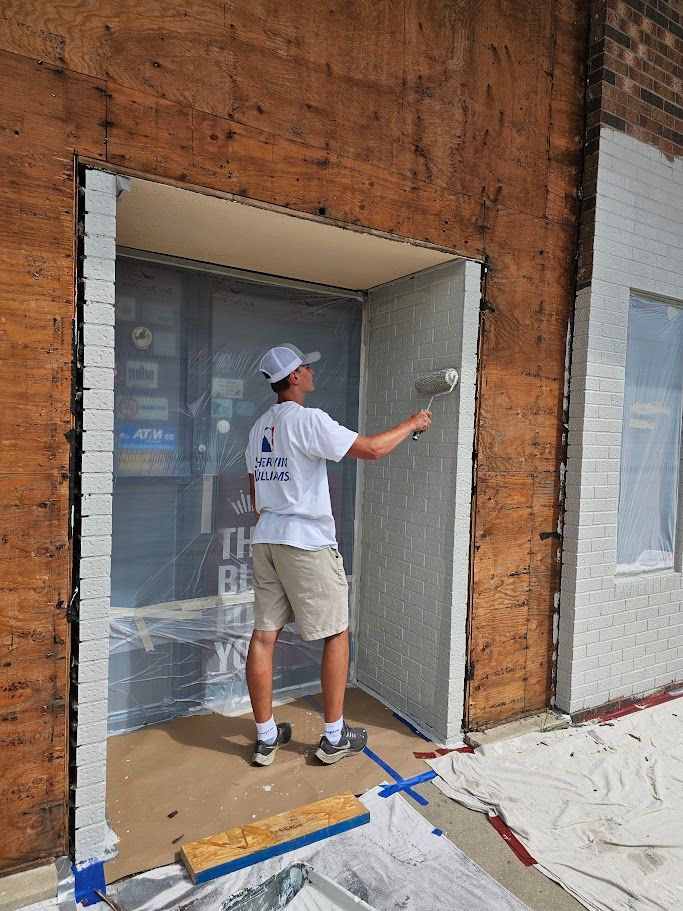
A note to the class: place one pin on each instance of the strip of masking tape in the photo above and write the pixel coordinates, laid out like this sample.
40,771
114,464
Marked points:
144,634
174,610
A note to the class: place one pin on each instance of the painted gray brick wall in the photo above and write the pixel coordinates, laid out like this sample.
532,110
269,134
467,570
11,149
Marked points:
620,635
96,511
415,504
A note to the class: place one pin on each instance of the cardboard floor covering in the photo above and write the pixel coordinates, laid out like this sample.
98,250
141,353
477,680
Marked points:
190,778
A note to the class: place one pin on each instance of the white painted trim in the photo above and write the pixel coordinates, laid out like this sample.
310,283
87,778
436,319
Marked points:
94,572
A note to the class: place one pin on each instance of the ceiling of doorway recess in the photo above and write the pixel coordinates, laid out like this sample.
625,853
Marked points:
163,219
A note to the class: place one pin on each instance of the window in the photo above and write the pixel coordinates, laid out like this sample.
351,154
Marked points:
186,393
651,436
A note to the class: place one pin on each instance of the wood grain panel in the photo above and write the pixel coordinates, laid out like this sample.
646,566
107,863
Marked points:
521,429
176,51
475,79
258,165
336,84
455,123
20,644
25,682
499,612
355,193
34,783
45,115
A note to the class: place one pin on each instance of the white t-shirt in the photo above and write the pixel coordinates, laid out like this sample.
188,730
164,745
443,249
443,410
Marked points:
287,452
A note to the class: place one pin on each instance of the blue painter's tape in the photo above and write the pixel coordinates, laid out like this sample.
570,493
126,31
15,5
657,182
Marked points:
276,850
382,764
405,784
88,876
418,798
437,832
410,726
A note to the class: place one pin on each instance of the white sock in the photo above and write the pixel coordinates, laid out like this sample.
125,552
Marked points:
333,731
267,732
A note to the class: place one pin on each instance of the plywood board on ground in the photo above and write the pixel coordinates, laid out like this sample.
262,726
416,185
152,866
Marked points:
249,844
173,783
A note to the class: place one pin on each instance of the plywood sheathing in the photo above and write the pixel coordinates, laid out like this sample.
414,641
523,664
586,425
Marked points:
43,114
457,124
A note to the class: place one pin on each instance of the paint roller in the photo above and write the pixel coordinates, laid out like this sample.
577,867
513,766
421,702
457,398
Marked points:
436,383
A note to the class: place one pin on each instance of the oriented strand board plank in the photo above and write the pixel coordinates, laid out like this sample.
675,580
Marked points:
250,844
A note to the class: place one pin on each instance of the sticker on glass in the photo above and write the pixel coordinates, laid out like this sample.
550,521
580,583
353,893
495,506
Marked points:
142,374
142,336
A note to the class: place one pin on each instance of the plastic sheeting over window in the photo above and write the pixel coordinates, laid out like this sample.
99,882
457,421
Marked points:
651,437
187,391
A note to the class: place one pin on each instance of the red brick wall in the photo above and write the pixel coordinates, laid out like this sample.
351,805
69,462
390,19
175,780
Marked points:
635,84
636,71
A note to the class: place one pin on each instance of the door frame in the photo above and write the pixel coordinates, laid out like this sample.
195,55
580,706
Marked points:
93,391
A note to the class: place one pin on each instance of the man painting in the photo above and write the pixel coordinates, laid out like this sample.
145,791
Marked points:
298,570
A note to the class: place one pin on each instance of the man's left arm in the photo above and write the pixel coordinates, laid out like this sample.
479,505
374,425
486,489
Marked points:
252,494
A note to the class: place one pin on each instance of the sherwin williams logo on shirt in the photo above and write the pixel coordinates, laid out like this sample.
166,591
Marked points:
270,468
268,441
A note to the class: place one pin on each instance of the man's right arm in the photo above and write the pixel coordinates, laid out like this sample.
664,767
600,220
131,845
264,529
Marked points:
381,444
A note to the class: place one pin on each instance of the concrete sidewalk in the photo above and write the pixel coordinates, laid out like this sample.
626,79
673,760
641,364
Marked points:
476,837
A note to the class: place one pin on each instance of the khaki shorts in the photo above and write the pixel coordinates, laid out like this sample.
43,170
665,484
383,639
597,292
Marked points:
308,586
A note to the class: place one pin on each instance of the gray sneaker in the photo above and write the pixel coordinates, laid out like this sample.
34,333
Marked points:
264,753
353,742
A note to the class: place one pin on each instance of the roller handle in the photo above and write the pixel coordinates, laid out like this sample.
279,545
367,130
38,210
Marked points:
418,433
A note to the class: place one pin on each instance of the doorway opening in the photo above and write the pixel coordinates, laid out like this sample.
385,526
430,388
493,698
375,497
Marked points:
175,318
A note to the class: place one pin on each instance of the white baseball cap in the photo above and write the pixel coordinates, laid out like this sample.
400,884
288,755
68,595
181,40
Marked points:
280,361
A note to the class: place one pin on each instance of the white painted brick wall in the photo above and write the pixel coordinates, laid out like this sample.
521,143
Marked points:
619,635
96,510
416,502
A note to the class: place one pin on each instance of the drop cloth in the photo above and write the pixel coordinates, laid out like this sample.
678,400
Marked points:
600,806
297,888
